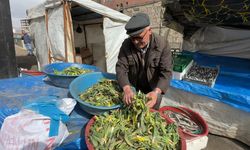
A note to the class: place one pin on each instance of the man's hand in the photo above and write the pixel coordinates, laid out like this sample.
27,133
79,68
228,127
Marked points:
128,94
153,97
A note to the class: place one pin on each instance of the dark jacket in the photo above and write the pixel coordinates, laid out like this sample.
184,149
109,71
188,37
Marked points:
26,39
158,64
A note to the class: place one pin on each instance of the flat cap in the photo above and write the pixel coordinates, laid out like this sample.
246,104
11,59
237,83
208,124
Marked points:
137,23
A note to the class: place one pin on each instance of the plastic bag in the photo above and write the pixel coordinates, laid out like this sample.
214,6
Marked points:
5,112
39,126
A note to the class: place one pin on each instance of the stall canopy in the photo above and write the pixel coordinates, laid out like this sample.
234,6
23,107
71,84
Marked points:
217,34
52,29
215,27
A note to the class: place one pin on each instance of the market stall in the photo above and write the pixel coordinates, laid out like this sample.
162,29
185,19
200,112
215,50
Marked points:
217,33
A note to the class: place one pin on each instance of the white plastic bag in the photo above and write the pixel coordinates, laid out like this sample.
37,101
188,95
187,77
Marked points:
28,130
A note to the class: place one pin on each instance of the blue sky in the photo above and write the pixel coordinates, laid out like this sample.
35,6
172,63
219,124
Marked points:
18,9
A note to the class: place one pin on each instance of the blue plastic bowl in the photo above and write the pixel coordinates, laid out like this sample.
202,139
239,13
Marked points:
82,83
64,80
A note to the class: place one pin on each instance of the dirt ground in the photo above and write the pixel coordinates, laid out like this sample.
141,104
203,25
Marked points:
222,143
23,60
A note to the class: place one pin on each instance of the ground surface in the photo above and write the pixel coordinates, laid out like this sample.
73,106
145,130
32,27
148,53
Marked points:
23,60
222,143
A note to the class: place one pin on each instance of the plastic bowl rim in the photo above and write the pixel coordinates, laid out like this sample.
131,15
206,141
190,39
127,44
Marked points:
52,74
88,104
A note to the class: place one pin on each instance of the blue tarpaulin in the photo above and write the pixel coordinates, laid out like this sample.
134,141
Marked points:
18,92
232,85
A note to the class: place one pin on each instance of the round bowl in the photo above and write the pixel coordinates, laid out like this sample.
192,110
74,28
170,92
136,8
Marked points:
194,116
92,121
82,83
64,80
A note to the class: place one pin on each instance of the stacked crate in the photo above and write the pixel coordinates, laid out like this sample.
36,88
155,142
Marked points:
182,63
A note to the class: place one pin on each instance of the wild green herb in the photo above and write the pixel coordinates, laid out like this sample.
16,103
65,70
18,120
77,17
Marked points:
104,93
133,128
72,71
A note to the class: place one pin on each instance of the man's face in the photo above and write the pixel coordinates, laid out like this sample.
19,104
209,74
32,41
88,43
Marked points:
141,40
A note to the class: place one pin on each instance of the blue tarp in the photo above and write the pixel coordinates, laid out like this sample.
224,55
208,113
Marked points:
232,85
18,92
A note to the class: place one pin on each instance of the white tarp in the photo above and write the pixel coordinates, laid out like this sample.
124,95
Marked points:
113,29
103,10
38,32
220,41
56,32
36,12
114,35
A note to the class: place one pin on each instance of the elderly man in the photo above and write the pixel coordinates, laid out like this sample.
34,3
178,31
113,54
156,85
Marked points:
144,62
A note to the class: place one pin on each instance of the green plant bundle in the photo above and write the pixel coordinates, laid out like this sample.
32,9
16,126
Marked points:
104,93
133,128
72,71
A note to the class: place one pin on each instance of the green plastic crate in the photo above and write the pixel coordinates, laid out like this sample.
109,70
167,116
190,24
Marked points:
181,62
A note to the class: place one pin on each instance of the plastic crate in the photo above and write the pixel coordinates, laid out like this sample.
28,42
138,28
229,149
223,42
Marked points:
64,80
82,83
181,62
199,79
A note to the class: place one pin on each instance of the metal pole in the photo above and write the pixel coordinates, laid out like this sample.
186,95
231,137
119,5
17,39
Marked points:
8,66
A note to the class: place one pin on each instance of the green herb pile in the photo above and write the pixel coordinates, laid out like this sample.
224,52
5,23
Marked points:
133,128
104,93
72,71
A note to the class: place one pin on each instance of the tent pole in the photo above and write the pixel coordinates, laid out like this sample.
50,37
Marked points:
47,30
71,31
65,29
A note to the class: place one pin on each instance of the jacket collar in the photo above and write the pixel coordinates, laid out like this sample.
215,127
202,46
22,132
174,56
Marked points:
154,43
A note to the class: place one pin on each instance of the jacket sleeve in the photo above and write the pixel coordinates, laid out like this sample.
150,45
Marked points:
165,66
122,68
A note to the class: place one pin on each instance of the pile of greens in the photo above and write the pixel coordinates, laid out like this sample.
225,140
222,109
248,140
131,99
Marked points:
104,93
133,128
72,71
